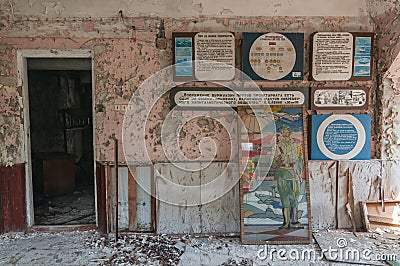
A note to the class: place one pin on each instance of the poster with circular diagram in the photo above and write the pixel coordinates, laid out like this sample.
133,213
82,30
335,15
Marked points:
341,137
273,56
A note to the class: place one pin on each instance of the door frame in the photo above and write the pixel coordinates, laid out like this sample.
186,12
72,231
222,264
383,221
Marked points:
22,56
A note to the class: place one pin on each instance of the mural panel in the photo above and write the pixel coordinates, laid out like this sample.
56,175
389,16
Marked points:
275,204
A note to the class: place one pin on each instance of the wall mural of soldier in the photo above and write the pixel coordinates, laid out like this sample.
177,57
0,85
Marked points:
275,203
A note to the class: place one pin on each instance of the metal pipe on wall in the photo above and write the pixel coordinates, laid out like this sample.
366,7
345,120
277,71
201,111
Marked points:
116,190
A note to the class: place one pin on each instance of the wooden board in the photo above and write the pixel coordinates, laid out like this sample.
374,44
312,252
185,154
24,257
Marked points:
101,197
144,175
221,214
366,173
323,186
393,181
110,215
123,213
200,216
375,217
177,217
12,198
132,201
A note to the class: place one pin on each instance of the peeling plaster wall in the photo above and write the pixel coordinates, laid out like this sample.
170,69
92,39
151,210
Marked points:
184,8
124,58
10,124
386,17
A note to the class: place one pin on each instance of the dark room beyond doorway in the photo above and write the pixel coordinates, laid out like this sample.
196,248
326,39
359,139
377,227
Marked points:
61,128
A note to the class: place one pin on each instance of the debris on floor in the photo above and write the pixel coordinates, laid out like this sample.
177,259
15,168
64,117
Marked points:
91,248
140,250
377,247
229,251
71,209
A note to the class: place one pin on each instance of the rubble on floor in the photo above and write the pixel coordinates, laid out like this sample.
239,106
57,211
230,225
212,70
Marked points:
72,209
140,250
378,247
229,251
66,248
91,248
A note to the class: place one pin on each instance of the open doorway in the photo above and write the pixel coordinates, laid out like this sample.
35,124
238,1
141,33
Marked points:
61,134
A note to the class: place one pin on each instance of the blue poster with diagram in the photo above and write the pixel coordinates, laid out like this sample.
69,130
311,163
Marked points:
362,57
183,57
273,56
341,137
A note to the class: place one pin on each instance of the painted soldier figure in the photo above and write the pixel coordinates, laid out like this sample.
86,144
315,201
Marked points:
289,176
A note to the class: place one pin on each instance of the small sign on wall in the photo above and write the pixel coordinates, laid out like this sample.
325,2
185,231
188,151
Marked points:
341,56
341,137
339,98
220,97
273,56
204,56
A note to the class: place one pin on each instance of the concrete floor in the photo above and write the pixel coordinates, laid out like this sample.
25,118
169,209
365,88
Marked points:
89,248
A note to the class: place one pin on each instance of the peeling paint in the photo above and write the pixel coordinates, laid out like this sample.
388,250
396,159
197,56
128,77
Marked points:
124,58
10,141
388,61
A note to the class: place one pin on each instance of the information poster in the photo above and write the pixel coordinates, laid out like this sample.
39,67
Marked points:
362,57
339,98
204,56
273,56
218,49
341,137
215,97
183,57
341,56
332,56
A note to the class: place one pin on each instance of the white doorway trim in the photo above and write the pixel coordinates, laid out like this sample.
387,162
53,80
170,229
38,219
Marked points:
22,56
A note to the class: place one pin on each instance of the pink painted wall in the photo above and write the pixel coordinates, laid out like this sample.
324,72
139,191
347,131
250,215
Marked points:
124,58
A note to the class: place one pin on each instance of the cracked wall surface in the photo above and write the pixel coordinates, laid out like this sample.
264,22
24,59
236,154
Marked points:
124,57
187,8
388,77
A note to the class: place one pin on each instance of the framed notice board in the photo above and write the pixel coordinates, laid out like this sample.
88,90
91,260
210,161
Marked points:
342,56
220,97
339,98
341,137
203,56
273,56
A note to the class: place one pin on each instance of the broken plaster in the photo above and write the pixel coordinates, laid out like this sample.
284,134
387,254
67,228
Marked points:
53,7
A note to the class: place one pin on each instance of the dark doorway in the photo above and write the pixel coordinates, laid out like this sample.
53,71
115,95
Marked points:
60,106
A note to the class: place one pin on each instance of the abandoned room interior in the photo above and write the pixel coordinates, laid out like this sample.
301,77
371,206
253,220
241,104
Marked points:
88,88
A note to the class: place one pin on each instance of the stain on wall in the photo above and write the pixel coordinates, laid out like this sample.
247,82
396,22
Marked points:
10,124
388,78
124,58
181,9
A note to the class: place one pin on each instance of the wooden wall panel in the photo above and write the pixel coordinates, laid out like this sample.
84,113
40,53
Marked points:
178,217
12,199
221,215
144,175
123,206
109,208
132,201
393,181
101,197
328,193
323,193
366,176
